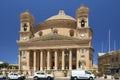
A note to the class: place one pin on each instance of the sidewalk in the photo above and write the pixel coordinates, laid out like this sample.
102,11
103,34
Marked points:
30,76
62,78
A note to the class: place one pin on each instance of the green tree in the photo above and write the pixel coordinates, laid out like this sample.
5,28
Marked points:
4,65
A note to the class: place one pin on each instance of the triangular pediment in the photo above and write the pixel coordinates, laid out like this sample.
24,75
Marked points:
51,37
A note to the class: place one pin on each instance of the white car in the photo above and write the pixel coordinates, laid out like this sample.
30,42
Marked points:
12,76
81,74
2,77
43,75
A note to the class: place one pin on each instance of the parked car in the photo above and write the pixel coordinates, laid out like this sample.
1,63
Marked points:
82,74
43,75
17,76
2,76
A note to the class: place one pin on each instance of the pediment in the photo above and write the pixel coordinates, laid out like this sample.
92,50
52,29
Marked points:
53,37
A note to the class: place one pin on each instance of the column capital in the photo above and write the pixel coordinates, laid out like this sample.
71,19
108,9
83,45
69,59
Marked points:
47,50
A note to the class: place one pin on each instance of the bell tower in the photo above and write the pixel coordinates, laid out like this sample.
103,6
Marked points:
82,17
26,26
83,30
84,33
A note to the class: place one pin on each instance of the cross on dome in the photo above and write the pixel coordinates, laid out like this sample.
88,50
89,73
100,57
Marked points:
61,12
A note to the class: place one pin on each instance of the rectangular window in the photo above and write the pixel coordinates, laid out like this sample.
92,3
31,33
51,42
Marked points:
112,60
83,51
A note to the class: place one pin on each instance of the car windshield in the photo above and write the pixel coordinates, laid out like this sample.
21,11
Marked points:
87,72
15,74
37,73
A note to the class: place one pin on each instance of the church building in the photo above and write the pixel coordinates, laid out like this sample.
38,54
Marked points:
60,42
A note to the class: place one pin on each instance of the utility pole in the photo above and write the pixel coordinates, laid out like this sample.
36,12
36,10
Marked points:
109,40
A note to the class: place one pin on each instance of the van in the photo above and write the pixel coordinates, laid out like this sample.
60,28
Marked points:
81,74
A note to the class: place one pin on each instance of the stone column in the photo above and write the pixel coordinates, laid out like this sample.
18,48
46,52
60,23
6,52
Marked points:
70,60
56,60
63,59
41,60
28,60
35,60
48,60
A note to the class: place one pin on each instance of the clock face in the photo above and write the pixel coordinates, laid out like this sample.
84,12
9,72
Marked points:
82,35
24,37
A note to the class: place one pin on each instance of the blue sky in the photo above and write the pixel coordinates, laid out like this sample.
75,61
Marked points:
104,16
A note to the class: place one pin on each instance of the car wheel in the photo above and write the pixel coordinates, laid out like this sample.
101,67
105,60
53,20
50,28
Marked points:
35,78
48,78
90,78
75,78
8,78
19,78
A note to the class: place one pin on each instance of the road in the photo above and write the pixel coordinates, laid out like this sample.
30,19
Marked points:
69,79
65,78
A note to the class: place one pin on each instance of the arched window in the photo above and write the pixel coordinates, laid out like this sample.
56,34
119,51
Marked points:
25,27
82,23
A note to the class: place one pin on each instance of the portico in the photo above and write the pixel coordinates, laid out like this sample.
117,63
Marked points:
50,59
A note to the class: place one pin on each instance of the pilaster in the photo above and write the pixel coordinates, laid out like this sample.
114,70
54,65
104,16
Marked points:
19,56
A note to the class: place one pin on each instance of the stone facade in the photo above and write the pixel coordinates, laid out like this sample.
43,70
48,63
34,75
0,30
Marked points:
58,43
109,62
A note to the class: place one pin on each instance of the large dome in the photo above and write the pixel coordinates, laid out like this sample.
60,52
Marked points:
60,15
61,20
